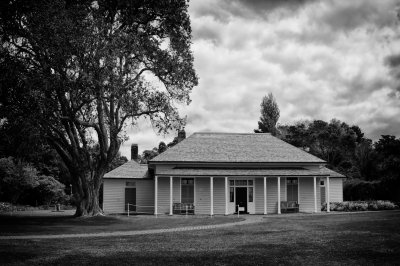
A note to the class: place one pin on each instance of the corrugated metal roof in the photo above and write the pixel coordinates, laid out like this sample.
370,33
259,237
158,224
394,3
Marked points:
235,148
130,169
197,171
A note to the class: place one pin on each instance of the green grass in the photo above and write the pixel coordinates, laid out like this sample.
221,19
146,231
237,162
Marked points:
357,239
67,224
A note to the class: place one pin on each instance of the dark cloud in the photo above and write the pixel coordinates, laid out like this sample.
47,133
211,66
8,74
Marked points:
349,15
388,125
359,87
206,33
392,61
263,6
225,10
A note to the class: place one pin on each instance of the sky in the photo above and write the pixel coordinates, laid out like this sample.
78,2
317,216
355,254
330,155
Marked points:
320,59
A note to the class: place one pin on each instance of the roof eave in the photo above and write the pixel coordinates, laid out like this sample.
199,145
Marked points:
233,162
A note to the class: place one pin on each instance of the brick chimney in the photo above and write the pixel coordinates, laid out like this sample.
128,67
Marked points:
134,152
181,135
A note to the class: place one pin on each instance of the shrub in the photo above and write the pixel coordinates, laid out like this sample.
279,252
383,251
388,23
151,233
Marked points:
349,206
16,178
49,190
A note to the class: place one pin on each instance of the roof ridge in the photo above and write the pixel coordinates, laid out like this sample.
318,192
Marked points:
230,133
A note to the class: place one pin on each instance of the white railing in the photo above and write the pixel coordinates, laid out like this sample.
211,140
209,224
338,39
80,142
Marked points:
136,207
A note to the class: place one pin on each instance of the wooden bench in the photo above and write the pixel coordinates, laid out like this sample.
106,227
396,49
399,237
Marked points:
182,208
289,206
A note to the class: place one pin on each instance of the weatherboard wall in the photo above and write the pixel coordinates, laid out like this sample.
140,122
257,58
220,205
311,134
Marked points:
114,195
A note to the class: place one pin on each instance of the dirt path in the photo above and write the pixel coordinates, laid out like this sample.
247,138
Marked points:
248,220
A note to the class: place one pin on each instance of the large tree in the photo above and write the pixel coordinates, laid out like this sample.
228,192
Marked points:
80,70
269,115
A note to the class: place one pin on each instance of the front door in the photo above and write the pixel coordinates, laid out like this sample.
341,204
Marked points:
130,197
292,189
241,199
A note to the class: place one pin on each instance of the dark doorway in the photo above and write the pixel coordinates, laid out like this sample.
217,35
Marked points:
130,197
241,199
292,189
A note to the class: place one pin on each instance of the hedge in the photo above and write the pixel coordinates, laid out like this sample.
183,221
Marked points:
349,206
361,190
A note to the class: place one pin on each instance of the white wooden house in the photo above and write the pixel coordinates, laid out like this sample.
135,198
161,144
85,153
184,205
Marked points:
222,173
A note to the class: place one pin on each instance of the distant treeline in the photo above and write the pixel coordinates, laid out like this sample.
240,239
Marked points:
372,168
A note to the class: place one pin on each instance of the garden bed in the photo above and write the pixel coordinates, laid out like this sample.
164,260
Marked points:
349,206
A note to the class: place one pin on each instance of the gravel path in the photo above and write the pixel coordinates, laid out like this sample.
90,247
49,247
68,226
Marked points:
248,220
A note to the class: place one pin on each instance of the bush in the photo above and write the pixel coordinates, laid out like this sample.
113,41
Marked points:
360,190
49,190
16,177
349,206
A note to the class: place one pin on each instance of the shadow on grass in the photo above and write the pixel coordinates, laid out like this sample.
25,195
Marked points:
63,224
254,254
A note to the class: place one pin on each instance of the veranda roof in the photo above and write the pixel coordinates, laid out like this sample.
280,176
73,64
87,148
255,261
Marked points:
283,172
235,148
130,169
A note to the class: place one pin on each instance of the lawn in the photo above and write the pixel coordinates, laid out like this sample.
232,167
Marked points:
362,239
64,223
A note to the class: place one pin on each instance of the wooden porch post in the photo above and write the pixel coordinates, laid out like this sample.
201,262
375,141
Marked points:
226,196
171,180
315,194
265,195
155,194
328,206
211,196
279,195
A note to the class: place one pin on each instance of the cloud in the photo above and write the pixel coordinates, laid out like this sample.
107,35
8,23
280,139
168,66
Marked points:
320,59
350,15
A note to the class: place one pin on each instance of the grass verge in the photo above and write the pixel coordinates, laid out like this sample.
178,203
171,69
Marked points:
357,239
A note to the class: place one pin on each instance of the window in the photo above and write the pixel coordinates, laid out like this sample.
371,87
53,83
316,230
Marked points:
130,184
232,194
232,182
292,189
241,182
187,190
322,183
250,194
187,181
250,182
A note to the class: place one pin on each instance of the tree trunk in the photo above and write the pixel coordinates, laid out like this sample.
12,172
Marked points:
87,197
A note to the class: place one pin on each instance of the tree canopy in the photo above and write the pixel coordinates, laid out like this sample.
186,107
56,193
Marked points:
373,169
269,115
80,70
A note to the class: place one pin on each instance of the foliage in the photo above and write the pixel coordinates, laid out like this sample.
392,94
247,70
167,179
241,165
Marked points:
117,161
21,183
269,115
15,178
336,142
162,147
349,206
356,189
373,169
147,155
49,190
79,70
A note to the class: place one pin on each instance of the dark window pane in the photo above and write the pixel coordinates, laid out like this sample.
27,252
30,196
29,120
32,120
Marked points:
250,182
241,182
232,182
232,195
250,194
187,190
